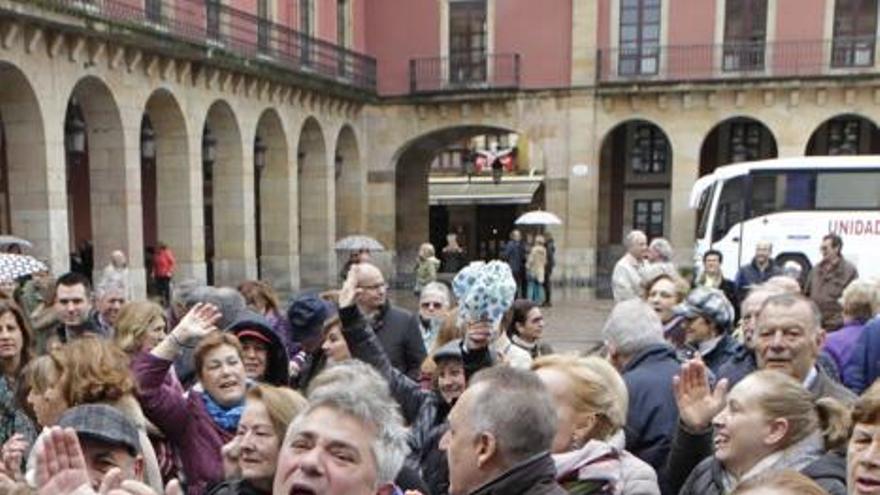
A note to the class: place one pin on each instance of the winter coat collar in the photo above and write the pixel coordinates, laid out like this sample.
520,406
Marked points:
654,352
527,477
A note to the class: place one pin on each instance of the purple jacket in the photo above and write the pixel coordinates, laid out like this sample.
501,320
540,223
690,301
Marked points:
185,422
841,343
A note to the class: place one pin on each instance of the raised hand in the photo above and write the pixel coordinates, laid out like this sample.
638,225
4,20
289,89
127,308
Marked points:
697,402
61,465
12,455
198,322
350,290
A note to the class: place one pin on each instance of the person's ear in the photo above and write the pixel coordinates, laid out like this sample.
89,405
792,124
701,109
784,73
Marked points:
820,338
777,429
487,448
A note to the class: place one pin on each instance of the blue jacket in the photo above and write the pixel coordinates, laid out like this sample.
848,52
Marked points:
653,413
863,366
749,275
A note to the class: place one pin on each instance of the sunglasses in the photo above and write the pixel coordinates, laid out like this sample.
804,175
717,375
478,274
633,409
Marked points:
431,305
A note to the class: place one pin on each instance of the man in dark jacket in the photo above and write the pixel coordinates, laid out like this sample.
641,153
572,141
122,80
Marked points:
74,310
500,433
398,330
550,245
828,279
760,270
263,355
515,255
634,339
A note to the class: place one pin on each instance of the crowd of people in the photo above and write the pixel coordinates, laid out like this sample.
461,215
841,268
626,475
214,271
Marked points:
762,383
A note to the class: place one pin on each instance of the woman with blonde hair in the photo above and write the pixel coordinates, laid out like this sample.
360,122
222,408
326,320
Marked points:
251,457
426,267
858,307
140,327
768,422
591,401
536,265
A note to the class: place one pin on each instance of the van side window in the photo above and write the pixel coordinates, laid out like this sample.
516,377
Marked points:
782,191
848,190
730,207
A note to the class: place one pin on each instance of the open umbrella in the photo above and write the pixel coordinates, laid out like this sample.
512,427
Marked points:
538,217
11,240
359,243
13,266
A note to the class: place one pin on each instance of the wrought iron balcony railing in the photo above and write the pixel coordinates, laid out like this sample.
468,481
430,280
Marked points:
805,58
219,27
471,71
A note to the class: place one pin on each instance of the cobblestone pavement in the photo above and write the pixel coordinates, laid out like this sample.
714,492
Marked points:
574,322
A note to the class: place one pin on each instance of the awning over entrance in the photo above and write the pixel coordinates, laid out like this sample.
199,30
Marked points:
482,191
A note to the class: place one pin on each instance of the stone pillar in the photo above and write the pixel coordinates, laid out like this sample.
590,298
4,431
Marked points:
584,29
685,137
317,211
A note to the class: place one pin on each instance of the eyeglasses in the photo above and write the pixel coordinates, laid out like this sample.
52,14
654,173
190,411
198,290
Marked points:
431,305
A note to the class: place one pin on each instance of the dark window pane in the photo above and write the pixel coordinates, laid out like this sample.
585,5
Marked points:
639,37
855,26
745,31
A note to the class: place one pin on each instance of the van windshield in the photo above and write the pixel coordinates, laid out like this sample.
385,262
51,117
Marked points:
703,211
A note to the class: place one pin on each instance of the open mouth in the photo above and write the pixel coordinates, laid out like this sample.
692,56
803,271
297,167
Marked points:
867,484
721,440
301,489
228,385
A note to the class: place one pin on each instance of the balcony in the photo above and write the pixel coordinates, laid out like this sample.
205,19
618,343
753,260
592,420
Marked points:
705,63
475,71
222,30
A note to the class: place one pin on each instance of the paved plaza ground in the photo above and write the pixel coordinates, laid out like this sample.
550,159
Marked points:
574,323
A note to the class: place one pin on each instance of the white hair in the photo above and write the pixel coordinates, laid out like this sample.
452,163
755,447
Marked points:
439,289
662,247
357,390
632,326
631,238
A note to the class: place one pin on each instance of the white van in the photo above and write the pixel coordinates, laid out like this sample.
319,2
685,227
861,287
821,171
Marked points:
793,203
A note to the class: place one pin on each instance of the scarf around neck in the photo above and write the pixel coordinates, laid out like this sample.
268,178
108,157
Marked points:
225,417
795,457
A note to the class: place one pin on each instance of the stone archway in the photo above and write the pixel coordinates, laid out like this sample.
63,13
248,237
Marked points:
737,139
275,205
845,134
167,190
97,174
317,220
349,184
228,177
479,211
635,177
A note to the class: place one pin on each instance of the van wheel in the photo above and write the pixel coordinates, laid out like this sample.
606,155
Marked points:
800,259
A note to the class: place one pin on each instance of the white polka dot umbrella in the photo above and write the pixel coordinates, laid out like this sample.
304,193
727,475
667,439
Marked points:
13,266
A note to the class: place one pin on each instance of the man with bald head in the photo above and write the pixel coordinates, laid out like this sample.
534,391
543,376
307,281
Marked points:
397,329
760,270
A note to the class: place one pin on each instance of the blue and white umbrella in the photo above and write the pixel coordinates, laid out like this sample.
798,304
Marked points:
13,266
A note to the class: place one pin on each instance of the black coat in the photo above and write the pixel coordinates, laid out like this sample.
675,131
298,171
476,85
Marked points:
534,476
653,413
726,349
277,364
399,333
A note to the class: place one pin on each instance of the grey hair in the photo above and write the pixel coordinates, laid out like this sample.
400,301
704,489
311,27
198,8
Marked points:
108,285
662,247
230,302
515,407
630,238
438,288
357,390
184,292
788,299
632,326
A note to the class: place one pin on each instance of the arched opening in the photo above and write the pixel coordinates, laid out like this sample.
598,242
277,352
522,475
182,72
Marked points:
316,216
229,241
96,173
446,184
5,221
349,184
274,203
738,139
166,194
635,174
846,134
29,212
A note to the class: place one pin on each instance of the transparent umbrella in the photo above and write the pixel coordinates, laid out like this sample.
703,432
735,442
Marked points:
359,243
538,217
